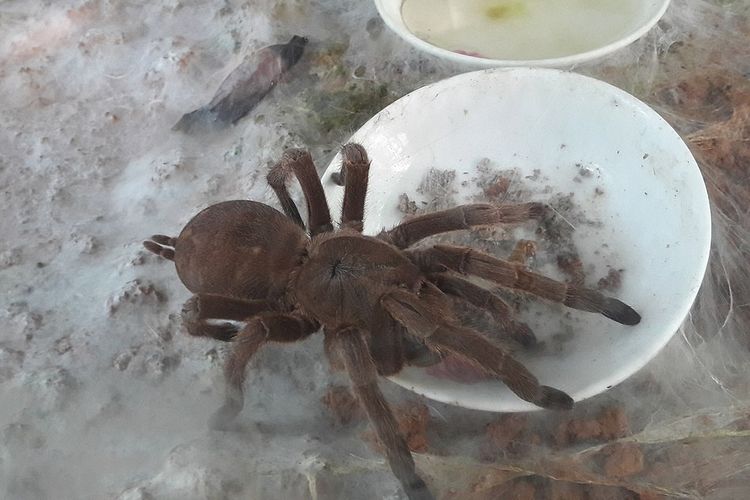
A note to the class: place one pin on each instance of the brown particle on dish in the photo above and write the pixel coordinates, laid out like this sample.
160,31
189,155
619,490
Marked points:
536,174
523,251
498,188
406,206
438,187
570,264
585,172
612,281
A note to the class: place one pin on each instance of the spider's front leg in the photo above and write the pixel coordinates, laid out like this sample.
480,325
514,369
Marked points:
516,276
462,217
299,163
263,328
352,347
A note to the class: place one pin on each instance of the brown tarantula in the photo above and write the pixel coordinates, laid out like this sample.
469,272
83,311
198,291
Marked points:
381,305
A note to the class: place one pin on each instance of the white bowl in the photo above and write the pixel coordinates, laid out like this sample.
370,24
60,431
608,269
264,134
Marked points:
565,43
654,214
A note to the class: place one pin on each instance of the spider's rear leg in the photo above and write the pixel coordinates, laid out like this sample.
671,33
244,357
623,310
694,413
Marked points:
265,327
353,350
462,217
516,276
422,316
161,245
392,347
386,343
501,312
202,307
485,355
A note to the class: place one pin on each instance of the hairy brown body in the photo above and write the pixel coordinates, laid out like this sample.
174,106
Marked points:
221,250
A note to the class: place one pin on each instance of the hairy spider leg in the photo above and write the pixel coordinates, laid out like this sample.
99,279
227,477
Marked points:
353,349
422,316
355,169
277,178
386,343
263,328
299,163
455,286
201,307
462,217
516,276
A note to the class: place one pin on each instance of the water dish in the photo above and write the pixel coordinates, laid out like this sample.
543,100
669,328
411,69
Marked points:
551,33
645,204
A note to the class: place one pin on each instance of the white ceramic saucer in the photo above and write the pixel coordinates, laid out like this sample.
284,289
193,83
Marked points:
651,206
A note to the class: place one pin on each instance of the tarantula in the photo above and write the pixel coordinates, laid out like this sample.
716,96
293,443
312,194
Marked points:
381,304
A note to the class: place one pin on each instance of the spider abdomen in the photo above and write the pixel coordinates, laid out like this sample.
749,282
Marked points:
239,248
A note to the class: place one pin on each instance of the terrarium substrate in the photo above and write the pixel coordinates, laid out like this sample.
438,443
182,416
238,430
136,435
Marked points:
102,395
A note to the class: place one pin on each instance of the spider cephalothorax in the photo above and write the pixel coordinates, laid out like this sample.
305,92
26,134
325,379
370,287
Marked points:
381,305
